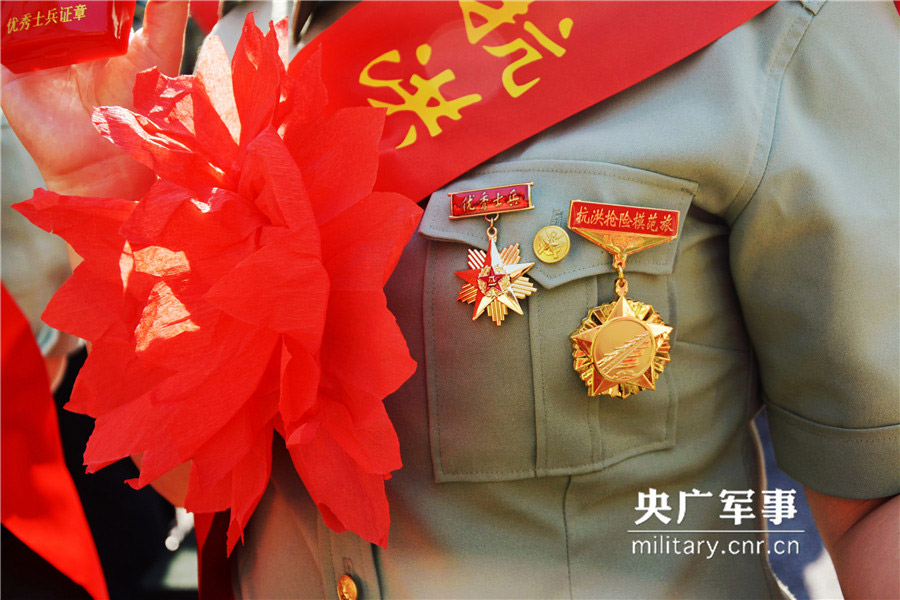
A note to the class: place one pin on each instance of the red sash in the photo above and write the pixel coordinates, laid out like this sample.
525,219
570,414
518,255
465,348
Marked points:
471,80
463,81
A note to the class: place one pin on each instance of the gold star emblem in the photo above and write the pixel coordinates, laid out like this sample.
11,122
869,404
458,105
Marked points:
621,348
495,282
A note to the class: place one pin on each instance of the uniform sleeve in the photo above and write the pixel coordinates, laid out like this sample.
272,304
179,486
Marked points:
814,256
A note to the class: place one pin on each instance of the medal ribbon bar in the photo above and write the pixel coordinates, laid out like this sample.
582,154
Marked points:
622,230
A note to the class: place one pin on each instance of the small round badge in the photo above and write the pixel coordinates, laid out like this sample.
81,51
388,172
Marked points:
551,244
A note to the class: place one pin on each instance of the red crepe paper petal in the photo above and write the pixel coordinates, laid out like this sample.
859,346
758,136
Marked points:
299,383
189,406
226,303
296,304
371,442
242,435
334,168
257,71
375,374
154,147
271,176
151,216
214,73
166,101
282,31
86,305
164,318
253,472
365,261
215,233
208,498
348,497
90,225
171,104
305,97
112,376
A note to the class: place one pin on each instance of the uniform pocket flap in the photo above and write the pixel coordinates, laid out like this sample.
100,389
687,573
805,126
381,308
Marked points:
556,184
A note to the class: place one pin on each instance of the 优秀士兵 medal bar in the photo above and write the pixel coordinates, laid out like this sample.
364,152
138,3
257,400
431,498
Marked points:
492,200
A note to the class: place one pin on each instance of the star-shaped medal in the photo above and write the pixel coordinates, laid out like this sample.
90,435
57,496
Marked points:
495,282
621,348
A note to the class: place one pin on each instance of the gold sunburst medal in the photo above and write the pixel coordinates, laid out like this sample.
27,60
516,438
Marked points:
621,347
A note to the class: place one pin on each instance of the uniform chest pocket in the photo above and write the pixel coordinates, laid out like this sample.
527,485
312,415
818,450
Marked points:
504,402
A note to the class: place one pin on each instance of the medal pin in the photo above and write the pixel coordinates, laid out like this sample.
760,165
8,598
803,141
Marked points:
621,347
495,280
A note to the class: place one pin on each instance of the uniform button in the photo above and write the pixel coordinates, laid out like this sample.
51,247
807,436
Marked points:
346,588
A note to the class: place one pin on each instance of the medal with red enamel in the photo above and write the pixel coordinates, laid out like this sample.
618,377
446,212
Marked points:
495,280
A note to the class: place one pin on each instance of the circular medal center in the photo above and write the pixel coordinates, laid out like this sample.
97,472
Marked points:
493,281
623,349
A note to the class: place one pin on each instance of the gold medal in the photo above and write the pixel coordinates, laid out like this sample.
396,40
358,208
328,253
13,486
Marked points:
621,347
495,280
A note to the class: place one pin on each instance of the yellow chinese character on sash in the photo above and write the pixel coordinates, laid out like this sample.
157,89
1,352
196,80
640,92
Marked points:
427,102
65,14
506,14
52,16
11,25
531,54
492,17
24,22
79,11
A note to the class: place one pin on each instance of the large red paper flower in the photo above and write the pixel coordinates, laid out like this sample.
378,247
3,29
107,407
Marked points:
243,293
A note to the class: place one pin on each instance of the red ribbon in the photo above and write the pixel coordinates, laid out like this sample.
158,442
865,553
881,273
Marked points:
39,503
610,47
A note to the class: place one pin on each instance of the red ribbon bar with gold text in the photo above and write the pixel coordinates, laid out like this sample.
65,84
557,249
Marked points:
462,81
622,230
492,200
614,218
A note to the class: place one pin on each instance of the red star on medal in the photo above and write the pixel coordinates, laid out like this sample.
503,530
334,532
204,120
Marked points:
495,282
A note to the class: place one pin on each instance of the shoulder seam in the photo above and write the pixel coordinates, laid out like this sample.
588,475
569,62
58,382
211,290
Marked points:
766,134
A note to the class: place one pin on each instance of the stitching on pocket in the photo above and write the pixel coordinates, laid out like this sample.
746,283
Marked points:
433,391
599,171
543,443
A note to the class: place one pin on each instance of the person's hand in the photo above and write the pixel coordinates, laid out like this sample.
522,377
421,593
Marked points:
50,110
